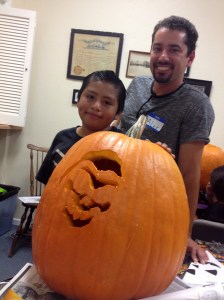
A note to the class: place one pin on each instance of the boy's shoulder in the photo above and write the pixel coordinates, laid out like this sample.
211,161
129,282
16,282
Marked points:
67,131
115,129
66,135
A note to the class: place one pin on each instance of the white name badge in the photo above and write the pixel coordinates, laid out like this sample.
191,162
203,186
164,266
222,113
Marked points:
154,122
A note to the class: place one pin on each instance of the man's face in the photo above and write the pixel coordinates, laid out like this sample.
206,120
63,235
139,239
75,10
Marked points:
169,59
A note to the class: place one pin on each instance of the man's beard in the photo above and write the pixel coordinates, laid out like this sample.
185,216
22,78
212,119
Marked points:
162,79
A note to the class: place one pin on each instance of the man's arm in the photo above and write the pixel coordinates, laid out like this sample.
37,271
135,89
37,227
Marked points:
189,164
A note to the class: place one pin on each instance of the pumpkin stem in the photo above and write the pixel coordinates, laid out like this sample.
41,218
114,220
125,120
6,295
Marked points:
137,129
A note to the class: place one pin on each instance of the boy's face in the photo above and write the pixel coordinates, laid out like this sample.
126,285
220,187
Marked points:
98,105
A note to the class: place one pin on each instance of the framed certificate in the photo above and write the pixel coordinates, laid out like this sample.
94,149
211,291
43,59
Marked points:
91,51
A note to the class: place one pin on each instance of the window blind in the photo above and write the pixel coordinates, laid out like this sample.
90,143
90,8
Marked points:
16,41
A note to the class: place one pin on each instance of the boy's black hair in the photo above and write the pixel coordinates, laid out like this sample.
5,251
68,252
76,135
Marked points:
181,24
109,77
217,183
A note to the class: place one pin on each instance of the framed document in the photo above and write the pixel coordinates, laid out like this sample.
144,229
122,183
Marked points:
202,85
187,72
91,51
138,64
75,96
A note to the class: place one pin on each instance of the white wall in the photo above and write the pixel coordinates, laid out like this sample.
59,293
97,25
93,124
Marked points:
50,107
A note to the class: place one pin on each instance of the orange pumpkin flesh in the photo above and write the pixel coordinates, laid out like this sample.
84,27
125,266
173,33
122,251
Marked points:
212,157
11,295
113,220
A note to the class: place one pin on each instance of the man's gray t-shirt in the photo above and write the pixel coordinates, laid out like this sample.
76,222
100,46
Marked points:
182,116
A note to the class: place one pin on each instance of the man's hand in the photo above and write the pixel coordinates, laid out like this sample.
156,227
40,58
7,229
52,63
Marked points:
165,147
198,254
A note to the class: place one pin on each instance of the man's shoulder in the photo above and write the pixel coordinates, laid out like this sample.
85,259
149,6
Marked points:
140,86
194,97
142,80
194,92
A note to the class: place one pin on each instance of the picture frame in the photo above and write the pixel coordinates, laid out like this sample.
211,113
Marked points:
75,96
91,51
202,85
187,72
138,64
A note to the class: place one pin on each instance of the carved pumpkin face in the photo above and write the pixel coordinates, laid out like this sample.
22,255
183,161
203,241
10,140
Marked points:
212,157
113,220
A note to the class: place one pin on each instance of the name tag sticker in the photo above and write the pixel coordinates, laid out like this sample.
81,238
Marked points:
154,122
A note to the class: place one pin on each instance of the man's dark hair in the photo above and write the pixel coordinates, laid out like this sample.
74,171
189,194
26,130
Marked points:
109,77
181,24
217,183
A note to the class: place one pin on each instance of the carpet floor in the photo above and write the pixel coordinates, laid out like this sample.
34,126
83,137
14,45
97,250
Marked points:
9,266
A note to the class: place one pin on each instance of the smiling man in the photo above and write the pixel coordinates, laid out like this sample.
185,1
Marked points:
178,114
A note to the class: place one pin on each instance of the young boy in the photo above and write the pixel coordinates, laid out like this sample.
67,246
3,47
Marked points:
100,101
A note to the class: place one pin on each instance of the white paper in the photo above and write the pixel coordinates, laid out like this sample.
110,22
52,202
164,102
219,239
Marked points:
212,292
27,280
210,273
176,285
30,199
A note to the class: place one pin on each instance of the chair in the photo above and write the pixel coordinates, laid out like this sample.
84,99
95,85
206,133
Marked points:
208,231
37,155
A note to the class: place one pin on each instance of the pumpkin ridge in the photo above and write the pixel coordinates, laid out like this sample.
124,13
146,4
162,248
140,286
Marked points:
140,290
167,258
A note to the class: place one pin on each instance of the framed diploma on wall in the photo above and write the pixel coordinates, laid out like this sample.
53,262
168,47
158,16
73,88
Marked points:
91,51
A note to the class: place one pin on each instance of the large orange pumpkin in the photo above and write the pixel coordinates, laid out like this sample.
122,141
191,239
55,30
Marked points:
113,220
212,157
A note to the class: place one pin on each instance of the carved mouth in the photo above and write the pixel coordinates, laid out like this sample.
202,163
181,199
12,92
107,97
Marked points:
91,191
